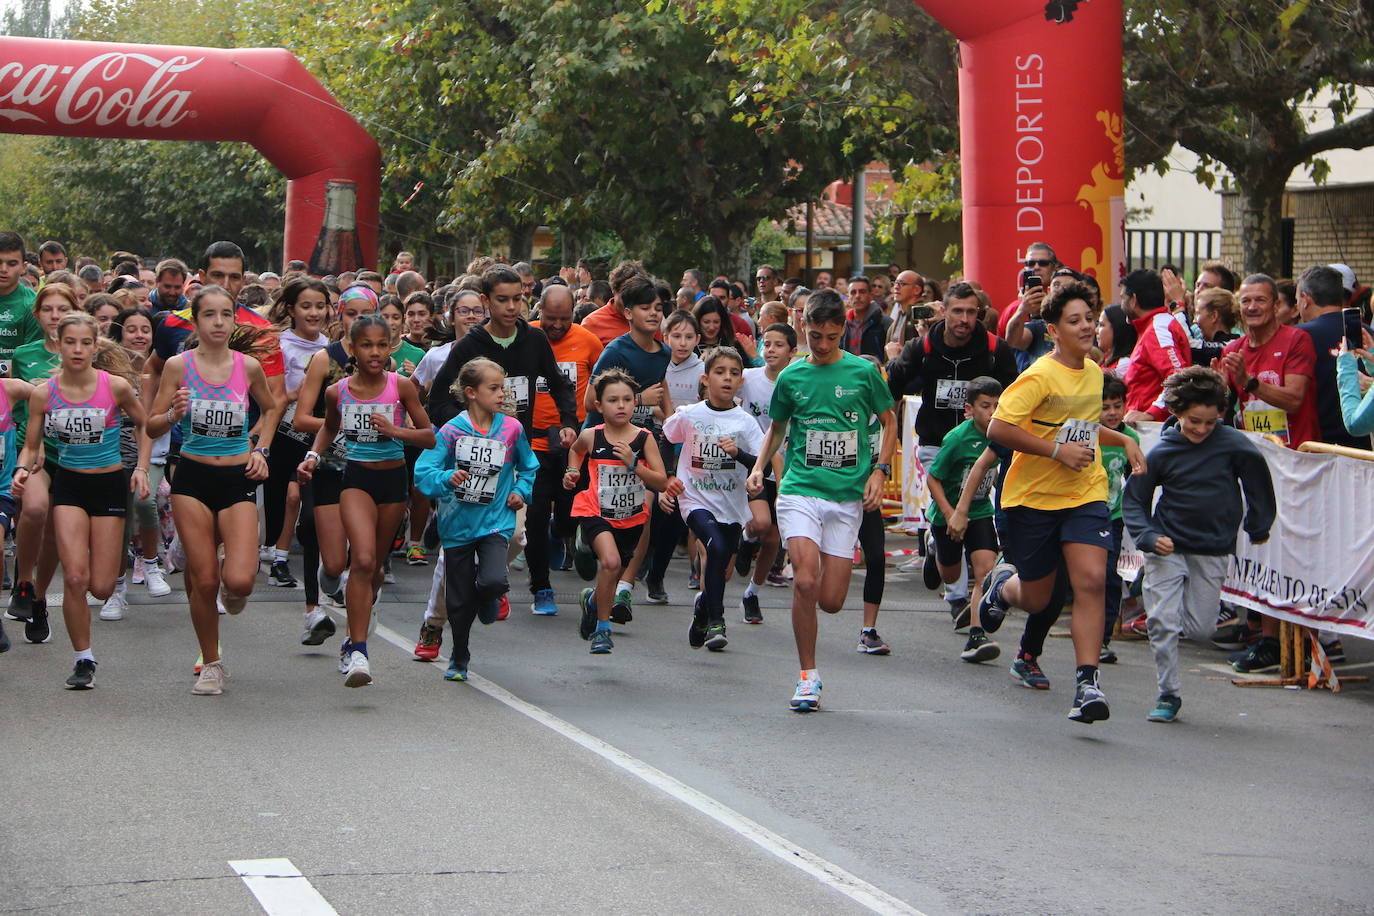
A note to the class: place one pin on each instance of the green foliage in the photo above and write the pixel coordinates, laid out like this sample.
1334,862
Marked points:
769,243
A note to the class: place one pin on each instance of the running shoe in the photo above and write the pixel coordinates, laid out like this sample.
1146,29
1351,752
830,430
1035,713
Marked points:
1262,657
622,608
1089,703
345,652
200,660
455,671
4,639
21,602
544,604
870,643
136,571
319,626
694,579
1335,652
980,648
960,613
503,607
657,593
232,604
388,577
1137,628
567,564
1166,709
1236,636
359,672
1226,614
1027,672
587,624
744,557
83,675
210,683
115,605
602,644
1107,656
715,637
584,561
280,576
752,612
807,696
777,580
992,610
431,638
156,580
930,568
415,556
488,612
37,630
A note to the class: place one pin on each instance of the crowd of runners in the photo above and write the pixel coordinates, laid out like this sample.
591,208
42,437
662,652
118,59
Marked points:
159,417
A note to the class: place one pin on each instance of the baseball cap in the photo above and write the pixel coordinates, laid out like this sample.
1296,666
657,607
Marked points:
1347,276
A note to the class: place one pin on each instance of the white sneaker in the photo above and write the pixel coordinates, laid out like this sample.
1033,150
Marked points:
210,683
115,605
359,673
156,580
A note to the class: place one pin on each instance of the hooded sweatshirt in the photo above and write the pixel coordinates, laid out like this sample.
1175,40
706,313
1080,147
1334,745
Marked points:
499,461
529,357
1200,506
933,369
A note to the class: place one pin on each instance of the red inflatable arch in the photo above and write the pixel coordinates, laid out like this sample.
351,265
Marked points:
261,96
1040,135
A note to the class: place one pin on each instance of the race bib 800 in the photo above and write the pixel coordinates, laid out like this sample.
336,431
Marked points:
217,419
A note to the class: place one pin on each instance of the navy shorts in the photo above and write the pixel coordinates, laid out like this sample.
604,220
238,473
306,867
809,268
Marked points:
980,534
1033,538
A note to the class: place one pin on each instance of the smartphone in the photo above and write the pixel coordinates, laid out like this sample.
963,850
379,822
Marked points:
1354,329
919,312
1031,280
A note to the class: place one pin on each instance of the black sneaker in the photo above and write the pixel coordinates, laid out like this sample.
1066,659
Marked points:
1264,656
744,557
980,647
1107,656
280,575
715,637
752,612
696,633
992,610
930,569
584,561
37,630
657,593
429,539
4,639
83,675
960,613
586,624
21,602
1089,703
1236,636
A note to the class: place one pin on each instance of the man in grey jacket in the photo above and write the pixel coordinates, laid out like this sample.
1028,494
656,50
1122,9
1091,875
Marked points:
1202,468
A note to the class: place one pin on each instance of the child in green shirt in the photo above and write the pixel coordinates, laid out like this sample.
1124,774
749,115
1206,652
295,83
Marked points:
1118,472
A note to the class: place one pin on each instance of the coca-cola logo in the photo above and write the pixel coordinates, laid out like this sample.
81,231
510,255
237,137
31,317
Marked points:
98,92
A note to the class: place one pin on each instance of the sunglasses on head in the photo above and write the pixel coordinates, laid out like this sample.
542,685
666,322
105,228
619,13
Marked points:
1039,262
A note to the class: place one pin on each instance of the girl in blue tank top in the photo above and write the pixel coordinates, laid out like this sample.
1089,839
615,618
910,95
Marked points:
79,409
205,391
367,410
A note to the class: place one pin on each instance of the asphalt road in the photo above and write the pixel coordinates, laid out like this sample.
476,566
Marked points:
942,784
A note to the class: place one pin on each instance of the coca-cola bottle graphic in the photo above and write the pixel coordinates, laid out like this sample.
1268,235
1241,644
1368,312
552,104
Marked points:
338,249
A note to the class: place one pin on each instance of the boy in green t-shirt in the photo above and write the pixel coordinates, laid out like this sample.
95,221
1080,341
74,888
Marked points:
822,406
1118,472
965,528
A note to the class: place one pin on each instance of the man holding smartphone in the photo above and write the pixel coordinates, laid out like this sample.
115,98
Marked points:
1042,261
1321,301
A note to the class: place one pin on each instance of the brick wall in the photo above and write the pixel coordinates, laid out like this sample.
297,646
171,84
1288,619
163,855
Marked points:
1330,224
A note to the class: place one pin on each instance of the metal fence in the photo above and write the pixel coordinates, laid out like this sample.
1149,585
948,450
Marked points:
1185,248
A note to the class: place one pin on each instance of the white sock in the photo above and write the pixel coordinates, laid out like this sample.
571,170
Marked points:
811,674
150,561
751,589
279,555
623,586
85,654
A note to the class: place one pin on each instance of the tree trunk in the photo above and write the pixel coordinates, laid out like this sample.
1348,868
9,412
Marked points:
730,250
522,242
1261,222
575,244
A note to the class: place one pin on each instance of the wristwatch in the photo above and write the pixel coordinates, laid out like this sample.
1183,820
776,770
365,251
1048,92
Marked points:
1251,385
264,451
885,468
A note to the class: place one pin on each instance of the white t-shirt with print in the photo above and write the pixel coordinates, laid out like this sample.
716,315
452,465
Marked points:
713,479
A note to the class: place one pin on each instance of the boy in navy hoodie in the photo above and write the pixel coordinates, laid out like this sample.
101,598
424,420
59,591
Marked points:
1202,467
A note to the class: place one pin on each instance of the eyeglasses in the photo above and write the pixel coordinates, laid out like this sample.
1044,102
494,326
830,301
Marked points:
1039,262
762,277
470,313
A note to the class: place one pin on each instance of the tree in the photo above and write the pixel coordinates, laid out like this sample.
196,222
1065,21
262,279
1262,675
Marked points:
1234,80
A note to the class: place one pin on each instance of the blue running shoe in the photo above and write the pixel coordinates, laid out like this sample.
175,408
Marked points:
1166,709
544,605
455,673
602,644
992,610
587,624
807,696
1089,703
1027,670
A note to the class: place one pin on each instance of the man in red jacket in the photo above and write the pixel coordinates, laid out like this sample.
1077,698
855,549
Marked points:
1161,348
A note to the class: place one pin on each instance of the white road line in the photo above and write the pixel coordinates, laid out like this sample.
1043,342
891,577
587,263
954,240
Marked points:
281,889
823,870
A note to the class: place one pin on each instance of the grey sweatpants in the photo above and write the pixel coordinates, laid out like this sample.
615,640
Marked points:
958,589
1181,594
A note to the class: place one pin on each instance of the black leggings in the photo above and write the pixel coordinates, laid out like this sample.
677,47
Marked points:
665,531
1038,624
548,500
721,542
286,455
873,541
310,544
